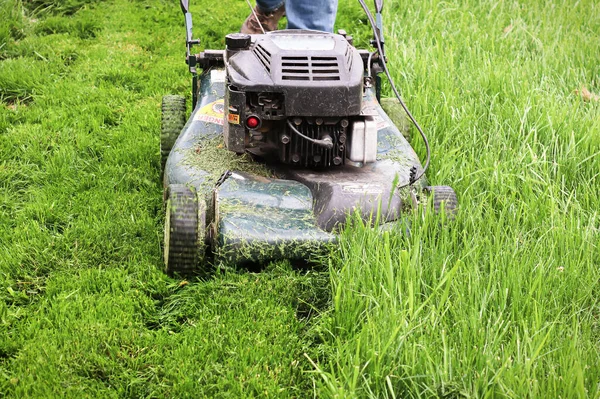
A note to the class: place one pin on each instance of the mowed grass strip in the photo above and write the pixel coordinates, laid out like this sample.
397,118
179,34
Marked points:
85,308
499,302
502,302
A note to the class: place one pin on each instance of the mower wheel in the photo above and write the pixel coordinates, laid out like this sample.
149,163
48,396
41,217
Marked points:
397,114
185,226
445,198
173,120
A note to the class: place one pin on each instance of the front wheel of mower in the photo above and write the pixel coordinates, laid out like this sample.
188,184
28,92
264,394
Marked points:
172,122
185,227
445,198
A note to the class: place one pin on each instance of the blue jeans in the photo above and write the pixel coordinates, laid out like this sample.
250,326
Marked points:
305,14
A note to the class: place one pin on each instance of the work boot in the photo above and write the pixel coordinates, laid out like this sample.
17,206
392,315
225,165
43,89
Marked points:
268,20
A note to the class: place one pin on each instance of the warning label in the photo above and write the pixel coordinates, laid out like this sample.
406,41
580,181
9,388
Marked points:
211,113
362,188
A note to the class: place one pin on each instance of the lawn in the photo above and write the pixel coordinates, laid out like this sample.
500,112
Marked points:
501,302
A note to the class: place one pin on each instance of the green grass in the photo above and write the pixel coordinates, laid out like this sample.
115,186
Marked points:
502,302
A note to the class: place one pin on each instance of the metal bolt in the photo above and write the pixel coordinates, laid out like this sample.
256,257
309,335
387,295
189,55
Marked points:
344,123
297,121
284,138
342,138
337,160
317,158
319,121
295,158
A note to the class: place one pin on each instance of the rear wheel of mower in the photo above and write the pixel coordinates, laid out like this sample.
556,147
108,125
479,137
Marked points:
185,226
443,197
172,121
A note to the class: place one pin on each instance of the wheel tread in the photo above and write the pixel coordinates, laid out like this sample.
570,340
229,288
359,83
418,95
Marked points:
172,122
183,234
444,195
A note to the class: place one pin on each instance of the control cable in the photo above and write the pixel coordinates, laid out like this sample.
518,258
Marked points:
387,73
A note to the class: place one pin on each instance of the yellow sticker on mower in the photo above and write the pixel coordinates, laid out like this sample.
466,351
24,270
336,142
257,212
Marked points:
211,113
233,118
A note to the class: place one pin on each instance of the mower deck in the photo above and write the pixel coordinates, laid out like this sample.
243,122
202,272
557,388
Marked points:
263,210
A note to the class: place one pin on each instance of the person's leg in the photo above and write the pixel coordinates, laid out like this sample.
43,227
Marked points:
311,14
269,12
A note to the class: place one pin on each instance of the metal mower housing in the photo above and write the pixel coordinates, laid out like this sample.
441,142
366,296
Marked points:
284,184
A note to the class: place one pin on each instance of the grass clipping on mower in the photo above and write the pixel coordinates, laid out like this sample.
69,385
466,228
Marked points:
212,157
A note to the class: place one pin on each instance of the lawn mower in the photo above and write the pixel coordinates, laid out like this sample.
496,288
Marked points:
285,140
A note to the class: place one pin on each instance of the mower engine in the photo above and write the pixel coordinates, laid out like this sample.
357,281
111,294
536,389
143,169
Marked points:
298,96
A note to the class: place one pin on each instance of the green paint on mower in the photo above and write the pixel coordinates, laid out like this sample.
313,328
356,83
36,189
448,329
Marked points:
286,138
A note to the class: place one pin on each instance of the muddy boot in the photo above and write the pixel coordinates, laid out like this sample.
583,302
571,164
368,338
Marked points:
268,20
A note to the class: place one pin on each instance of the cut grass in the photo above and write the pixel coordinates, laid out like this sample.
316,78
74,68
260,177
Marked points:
500,303
112,332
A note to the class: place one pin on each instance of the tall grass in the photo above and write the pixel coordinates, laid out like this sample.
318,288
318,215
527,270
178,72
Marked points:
503,301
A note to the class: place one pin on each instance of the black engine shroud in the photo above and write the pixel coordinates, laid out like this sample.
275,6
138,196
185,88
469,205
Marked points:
310,80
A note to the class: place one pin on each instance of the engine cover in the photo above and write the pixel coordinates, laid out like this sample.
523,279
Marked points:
287,91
